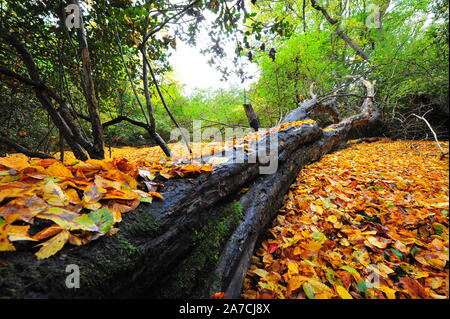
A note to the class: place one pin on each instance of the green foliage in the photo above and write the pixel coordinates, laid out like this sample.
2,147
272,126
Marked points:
293,44
408,56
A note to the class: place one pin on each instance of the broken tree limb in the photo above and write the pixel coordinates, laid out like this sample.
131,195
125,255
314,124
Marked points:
324,105
252,117
151,240
261,204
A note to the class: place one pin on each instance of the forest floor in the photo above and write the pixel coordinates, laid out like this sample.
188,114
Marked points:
368,221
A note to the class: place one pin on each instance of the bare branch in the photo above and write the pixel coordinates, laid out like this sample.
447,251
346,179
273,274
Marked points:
23,149
432,131
126,119
224,124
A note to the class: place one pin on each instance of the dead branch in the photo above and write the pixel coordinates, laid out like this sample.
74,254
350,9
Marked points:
432,131
224,124
22,149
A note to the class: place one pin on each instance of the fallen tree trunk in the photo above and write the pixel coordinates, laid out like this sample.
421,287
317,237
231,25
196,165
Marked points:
199,240
265,196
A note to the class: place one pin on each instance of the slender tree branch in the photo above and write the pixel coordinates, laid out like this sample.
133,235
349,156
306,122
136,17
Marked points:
224,124
96,151
339,31
164,23
432,131
126,119
186,141
22,149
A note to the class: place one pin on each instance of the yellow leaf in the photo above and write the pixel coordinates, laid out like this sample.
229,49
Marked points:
332,219
389,292
378,242
59,170
13,162
54,195
5,244
342,292
261,272
53,245
68,219
18,232
321,290
292,268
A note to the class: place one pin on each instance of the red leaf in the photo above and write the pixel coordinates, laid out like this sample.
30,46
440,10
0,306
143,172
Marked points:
272,248
219,295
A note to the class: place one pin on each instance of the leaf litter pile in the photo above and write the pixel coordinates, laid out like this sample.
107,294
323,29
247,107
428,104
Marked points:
369,221
47,203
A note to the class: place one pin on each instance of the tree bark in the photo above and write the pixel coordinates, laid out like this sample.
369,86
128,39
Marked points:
252,117
152,125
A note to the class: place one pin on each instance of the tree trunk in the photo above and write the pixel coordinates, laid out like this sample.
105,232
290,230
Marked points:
197,241
60,117
97,150
252,117
152,125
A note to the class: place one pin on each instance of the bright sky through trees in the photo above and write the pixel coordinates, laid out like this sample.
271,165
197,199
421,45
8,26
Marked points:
191,67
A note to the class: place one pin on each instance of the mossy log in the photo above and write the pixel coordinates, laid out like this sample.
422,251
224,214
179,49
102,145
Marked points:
197,241
152,240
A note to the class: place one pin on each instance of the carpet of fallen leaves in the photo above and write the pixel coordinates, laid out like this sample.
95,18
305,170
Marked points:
50,203
369,221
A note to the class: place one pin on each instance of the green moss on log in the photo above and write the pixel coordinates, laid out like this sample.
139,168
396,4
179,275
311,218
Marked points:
208,242
118,257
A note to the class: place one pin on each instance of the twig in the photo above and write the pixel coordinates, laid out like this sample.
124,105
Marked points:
432,131
224,124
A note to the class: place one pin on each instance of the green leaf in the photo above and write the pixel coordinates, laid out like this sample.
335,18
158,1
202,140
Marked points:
362,286
318,236
397,253
332,277
103,218
52,178
326,202
445,212
414,250
68,219
85,221
351,270
438,228
307,288
2,221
